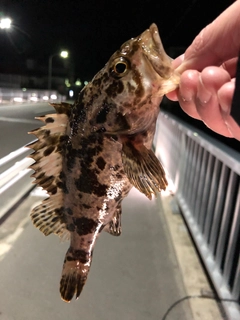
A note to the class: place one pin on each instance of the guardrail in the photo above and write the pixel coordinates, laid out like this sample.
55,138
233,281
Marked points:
15,181
29,95
206,175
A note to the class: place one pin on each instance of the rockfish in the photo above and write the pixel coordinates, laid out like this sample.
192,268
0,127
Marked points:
90,154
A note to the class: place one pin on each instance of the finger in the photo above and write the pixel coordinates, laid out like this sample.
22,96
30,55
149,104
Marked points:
187,92
176,62
210,81
225,96
233,127
230,66
208,49
173,95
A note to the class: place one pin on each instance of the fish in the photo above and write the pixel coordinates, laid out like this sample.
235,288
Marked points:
89,154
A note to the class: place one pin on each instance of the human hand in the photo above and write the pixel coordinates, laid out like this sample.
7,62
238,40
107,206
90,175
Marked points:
208,70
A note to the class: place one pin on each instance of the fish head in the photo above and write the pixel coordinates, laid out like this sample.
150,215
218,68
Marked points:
143,68
135,79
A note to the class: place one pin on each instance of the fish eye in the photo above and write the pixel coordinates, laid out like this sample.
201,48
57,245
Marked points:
120,67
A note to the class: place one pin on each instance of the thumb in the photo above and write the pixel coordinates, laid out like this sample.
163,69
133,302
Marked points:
216,43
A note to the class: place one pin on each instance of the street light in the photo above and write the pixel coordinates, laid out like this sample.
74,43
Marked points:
5,23
64,55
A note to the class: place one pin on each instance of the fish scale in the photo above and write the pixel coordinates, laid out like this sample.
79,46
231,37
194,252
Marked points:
89,155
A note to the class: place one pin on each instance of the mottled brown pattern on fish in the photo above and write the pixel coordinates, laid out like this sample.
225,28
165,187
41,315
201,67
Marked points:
89,154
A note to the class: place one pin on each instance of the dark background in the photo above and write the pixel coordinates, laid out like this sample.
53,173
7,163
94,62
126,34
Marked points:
92,30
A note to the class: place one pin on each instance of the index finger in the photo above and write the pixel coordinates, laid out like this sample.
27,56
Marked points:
218,42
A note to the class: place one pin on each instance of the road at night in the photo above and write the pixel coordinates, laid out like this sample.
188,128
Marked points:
15,122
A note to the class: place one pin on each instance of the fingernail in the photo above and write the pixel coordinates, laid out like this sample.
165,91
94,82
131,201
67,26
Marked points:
203,94
186,99
188,94
229,129
225,108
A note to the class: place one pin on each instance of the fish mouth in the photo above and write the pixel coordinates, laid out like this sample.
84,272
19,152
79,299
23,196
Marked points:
159,61
153,50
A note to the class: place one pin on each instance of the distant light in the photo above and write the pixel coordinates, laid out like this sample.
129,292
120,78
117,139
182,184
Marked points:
18,99
5,23
195,134
71,93
85,83
24,89
34,99
67,83
78,82
45,98
64,54
53,96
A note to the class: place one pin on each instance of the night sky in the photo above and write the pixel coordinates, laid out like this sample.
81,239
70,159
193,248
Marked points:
93,30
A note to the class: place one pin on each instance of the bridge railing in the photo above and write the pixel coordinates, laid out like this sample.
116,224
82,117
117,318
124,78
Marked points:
15,95
206,175
15,180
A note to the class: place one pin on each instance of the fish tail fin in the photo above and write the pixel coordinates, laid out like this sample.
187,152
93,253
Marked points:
74,275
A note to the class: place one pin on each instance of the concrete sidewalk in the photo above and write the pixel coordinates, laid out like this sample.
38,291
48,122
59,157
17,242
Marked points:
135,276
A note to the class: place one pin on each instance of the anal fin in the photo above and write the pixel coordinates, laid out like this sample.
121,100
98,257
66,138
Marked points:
114,226
48,217
143,169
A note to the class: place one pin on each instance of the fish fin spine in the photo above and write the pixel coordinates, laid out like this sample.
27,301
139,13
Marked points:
114,226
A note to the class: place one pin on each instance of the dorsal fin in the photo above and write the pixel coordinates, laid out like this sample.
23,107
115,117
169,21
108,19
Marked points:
48,155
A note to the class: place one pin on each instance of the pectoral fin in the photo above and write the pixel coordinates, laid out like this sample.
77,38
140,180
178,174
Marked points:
143,169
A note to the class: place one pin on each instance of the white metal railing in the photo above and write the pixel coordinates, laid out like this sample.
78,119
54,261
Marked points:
28,95
206,175
15,180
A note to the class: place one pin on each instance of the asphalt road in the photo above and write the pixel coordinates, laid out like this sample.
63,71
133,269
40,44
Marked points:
133,277
15,122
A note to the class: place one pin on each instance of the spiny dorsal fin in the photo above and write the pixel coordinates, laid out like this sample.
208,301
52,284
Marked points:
48,155
62,108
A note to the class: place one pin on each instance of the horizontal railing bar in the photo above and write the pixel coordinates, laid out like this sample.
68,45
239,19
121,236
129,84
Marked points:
10,173
12,155
22,184
15,182
23,151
